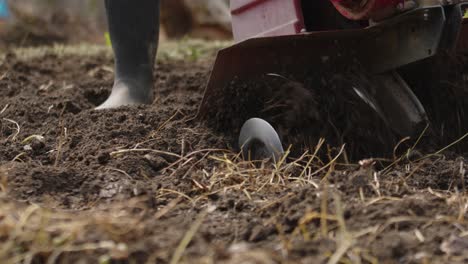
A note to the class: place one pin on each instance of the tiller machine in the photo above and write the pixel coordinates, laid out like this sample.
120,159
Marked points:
281,38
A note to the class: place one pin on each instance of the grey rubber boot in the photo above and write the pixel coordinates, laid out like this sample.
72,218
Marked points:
134,31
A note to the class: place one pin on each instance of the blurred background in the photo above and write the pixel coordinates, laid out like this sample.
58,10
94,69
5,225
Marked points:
44,22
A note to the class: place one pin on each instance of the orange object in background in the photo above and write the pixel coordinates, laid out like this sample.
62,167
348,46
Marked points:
206,19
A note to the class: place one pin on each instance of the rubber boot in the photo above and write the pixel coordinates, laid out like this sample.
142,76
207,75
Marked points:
134,31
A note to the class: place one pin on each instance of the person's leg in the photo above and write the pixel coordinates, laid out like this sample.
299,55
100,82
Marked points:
134,30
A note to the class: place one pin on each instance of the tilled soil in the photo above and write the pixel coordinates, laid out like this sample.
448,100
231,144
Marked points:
150,184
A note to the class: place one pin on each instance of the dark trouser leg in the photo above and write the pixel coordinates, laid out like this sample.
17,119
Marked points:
134,30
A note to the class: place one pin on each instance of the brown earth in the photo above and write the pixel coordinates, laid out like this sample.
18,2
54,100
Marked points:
148,184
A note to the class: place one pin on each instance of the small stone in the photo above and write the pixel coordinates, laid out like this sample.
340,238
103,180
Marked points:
37,145
103,158
27,147
157,163
414,155
260,233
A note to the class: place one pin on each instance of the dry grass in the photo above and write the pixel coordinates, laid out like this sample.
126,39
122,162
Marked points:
187,49
29,232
